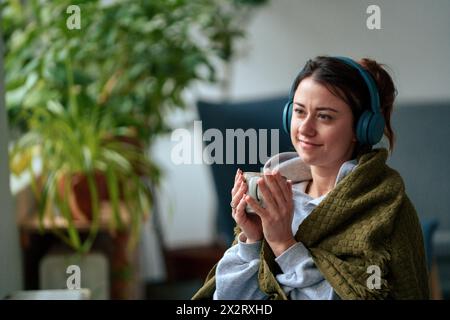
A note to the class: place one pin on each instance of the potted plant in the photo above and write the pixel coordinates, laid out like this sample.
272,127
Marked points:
90,101
83,157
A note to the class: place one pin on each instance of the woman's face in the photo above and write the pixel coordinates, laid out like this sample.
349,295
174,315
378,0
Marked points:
322,126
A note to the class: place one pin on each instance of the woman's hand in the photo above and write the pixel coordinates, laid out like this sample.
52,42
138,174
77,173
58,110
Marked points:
250,224
278,213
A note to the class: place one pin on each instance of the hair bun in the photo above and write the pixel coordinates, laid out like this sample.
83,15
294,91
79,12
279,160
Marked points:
386,91
386,87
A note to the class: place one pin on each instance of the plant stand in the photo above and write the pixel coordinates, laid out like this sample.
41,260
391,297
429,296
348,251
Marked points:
123,270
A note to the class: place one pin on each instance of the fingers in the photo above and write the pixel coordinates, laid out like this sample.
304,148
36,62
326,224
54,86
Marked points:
271,181
237,197
241,189
238,180
278,187
285,186
270,202
238,172
240,210
236,187
260,211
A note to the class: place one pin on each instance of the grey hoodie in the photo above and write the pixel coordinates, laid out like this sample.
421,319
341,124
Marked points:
237,271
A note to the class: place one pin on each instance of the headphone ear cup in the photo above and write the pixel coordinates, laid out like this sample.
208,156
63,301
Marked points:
362,127
287,115
370,127
375,128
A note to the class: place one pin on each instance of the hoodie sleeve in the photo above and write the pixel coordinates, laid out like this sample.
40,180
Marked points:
237,273
301,280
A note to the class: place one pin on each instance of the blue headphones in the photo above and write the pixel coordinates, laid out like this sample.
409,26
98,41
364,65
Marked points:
370,126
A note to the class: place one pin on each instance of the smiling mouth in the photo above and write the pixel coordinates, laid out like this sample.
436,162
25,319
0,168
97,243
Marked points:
309,143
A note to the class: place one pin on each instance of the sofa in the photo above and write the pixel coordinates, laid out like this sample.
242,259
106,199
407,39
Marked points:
421,155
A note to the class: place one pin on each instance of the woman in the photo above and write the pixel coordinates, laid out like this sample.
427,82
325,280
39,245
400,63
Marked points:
340,226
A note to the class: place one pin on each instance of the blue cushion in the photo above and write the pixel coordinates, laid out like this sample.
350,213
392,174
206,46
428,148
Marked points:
422,157
261,114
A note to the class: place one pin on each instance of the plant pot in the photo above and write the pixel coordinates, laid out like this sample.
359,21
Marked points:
80,202
133,141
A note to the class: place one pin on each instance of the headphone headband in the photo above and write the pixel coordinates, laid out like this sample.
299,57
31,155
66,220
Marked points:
368,79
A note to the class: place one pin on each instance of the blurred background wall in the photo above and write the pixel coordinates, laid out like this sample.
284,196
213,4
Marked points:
413,41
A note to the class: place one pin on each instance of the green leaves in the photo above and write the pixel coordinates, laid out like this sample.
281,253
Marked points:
90,101
147,43
71,143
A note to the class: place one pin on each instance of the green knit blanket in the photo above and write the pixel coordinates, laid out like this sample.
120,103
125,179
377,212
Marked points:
365,224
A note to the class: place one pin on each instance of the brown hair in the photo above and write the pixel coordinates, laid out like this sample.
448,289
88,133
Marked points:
346,83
